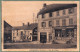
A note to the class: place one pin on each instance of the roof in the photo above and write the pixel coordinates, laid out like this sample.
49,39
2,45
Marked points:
7,24
26,27
55,7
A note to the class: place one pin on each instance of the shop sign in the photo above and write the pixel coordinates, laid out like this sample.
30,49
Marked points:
70,27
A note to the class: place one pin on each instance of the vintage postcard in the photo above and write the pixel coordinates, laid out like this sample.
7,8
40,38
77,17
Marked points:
40,26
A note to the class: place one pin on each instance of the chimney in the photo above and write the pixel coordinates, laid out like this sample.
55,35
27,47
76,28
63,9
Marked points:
44,5
28,23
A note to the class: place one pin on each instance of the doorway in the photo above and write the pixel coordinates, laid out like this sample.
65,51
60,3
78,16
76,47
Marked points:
43,37
57,32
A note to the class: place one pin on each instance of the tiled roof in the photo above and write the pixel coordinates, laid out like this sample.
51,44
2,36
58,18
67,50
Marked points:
26,27
55,7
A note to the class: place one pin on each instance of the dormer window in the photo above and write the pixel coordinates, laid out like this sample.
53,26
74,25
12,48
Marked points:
71,10
50,14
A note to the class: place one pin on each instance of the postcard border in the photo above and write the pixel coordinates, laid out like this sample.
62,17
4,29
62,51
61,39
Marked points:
35,0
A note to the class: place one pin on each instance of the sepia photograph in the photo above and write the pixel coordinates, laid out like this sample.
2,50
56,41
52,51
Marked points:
40,25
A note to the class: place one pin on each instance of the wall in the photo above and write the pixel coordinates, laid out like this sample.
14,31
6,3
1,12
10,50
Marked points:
18,37
53,19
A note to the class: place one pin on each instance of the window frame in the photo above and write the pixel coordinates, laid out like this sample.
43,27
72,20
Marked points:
43,24
63,22
57,23
71,21
50,23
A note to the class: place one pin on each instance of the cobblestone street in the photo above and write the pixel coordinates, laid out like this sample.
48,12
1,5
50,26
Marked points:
37,46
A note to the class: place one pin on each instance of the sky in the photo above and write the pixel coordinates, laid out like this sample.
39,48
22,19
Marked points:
18,12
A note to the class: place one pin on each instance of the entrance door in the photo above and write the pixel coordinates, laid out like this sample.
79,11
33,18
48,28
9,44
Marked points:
58,33
43,37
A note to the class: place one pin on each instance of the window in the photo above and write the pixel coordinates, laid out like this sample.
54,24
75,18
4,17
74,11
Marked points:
70,21
50,23
64,22
25,32
57,22
17,32
57,13
71,10
21,33
63,12
50,14
43,24
50,37
42,15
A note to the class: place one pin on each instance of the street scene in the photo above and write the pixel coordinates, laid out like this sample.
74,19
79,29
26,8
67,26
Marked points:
44,26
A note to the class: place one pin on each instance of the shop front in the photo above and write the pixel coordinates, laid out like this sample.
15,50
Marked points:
43,37
65,32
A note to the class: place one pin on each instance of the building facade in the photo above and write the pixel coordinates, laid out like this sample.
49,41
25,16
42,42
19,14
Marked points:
57,21
24,33
7,32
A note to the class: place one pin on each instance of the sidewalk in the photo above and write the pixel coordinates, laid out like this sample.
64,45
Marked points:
19,43
37,46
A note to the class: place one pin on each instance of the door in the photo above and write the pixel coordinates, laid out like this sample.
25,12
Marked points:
58,33
43,38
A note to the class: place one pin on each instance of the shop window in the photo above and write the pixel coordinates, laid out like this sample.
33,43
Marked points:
50,14
70,32
43,24
57,22
71,10
50,23
70,21
64,22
